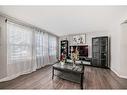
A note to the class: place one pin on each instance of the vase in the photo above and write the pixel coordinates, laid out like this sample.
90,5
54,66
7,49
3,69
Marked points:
74,65
62,63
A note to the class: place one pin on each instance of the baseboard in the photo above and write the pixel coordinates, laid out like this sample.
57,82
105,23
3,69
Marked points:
119,75
115,72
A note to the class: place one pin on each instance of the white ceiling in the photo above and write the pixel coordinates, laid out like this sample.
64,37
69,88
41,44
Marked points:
63,20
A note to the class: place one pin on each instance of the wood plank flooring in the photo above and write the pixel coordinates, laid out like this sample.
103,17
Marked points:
94,78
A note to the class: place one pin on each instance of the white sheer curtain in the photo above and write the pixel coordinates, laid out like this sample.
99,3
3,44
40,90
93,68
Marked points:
39,48
28,49
52,49
46,49
20,55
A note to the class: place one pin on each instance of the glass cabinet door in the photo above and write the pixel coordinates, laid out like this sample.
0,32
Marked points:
96,49
103,48
100,51
96,55
103,41
95,41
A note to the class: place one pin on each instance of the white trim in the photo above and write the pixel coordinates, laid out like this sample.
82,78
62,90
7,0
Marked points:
119,75
122,76
115,72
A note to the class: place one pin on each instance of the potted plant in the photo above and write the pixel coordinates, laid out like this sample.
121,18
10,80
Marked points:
75,55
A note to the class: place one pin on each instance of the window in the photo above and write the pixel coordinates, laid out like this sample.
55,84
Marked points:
19,43
27,49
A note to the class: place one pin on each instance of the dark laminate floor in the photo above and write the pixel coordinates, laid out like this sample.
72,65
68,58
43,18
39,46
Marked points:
95,78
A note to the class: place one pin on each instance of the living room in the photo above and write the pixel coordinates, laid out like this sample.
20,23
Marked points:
63,47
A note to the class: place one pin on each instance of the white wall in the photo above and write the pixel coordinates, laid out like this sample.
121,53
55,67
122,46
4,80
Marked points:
3,48
119,46
115,47
123,48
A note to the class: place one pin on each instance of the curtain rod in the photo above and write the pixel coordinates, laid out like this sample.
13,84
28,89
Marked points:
14,20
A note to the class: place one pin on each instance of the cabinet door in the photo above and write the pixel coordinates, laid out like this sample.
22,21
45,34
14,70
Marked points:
95,62
103,41
96,55
100,51
104,51
96,48
103,62
95,51
95,41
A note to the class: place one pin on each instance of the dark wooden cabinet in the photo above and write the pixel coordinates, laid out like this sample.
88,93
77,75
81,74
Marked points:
100,51
64,47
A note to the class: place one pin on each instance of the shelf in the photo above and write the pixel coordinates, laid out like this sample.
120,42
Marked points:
103,59
103,45
64,47
70,77
95,44
104,52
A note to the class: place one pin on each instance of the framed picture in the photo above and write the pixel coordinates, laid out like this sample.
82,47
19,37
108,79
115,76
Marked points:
79,39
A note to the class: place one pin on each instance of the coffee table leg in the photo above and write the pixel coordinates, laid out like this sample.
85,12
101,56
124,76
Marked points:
52,73
81,82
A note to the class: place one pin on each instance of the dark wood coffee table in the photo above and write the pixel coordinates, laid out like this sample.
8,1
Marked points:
69,72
